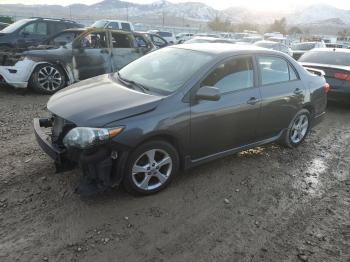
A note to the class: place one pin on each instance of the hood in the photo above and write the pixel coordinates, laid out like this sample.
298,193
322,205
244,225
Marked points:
100,100
46,51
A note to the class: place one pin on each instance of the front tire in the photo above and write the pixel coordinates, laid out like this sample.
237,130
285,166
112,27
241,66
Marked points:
297,130
150,168
47,79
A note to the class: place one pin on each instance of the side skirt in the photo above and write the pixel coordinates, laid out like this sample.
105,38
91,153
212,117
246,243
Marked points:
189,163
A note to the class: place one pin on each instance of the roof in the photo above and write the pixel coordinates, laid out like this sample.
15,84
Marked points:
222,48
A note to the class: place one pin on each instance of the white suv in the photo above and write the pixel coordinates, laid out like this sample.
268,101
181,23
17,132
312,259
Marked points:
114,24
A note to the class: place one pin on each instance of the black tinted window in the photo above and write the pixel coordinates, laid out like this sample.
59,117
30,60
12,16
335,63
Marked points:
41,28
113,25
273,70
322,57
126,27
232,75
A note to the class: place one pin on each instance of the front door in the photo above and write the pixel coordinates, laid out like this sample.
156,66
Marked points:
230,122
91,55
282,94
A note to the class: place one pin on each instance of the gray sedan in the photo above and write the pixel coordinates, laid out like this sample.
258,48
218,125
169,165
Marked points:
176,108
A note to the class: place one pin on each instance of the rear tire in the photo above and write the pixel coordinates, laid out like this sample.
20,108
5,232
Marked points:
47,79
297,130
150,168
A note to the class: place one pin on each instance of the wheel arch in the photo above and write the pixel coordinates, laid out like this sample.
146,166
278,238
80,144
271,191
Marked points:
167,137
56,63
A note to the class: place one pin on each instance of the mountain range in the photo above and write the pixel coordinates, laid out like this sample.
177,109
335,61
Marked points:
187,12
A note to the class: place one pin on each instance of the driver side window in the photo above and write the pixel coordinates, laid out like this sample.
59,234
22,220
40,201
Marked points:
232,75
28,29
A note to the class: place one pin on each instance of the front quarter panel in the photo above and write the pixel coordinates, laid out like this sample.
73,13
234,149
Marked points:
170,119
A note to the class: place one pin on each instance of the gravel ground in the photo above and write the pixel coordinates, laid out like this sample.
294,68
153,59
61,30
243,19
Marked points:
265,204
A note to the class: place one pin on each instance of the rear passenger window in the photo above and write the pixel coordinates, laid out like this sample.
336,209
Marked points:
121,40
126,27
233,75
273,70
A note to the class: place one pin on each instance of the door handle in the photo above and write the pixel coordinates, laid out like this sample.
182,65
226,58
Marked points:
253,101
298,91
104,51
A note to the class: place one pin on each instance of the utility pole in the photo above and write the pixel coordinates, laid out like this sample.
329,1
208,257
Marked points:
70,12
127,11
163,17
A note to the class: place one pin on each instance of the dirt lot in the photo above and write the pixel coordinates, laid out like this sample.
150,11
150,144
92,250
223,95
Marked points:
267,204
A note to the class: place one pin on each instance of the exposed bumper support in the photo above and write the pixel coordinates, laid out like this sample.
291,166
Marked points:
100,171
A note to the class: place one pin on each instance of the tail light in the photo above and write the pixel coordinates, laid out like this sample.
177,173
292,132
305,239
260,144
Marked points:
326,88
342,76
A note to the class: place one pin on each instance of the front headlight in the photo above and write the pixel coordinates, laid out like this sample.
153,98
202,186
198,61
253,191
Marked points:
85,137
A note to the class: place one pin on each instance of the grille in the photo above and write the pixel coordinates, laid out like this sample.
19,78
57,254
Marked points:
60,127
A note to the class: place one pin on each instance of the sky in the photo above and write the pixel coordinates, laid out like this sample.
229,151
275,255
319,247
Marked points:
218,4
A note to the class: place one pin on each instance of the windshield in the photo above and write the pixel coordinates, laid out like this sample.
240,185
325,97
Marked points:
13,27
329,58
303,46
165,70
99,24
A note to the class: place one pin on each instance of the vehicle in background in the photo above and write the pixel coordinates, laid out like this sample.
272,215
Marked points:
283,40
149,42
143,40
150,119
168,36
93,52
207,35
301,48
337,45
114,25
3,25
275,46
201,39
182,37
336,65
249,40
33,31
273,34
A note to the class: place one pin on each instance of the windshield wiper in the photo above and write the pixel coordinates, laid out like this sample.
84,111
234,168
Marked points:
128,82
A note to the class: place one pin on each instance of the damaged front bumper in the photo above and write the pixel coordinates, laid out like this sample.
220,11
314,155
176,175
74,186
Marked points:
17,75
102,167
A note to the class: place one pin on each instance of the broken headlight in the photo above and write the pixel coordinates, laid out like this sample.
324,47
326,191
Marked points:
86,137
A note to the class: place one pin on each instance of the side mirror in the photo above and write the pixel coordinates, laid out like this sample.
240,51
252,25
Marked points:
209,93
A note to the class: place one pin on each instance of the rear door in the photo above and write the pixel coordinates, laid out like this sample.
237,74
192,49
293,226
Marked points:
92,55
282,94
124,50
230,122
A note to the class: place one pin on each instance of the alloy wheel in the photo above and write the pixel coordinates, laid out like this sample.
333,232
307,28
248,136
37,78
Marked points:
152,169
49,78
299,129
